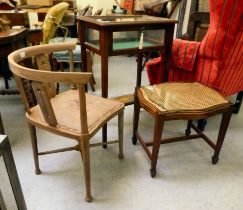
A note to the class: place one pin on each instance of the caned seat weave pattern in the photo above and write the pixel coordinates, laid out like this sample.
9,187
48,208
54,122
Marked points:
176,96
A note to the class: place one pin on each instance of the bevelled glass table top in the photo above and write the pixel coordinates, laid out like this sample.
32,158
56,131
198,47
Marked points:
125,19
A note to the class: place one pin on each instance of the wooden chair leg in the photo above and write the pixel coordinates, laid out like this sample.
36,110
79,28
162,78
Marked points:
222,131
158,128
120,133
34,148
86,164
135,118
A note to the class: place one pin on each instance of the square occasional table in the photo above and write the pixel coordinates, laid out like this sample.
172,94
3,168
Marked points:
120,35
10,40
124,34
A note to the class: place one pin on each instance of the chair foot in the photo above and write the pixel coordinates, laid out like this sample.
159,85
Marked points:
37,171
152,172
134,140
215,160
88,199
121,156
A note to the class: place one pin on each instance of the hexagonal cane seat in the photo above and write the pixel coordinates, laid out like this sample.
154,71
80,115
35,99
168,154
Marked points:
179,96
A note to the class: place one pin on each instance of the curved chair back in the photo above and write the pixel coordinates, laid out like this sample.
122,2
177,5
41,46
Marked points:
43,80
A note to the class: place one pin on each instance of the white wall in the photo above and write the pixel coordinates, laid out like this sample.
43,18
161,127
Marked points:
107,4
97,4
186,16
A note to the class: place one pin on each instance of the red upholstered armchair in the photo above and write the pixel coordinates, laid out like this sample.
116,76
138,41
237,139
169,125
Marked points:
216,61
200,76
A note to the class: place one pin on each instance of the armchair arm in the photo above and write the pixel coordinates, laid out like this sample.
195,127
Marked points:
184,54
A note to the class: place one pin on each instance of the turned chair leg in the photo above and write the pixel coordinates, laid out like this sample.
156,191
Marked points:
86,164
158,128
222,131
34,148
135,118
120,133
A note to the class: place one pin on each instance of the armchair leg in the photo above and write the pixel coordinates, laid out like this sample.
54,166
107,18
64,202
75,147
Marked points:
86,164
188,128
238,103
135,119
104,135
158,128
120,134
34,148
201,124
222,131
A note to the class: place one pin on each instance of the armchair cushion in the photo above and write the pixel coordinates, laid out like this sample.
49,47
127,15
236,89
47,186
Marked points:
184,54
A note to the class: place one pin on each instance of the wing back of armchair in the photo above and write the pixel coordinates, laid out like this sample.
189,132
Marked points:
216,59
220,40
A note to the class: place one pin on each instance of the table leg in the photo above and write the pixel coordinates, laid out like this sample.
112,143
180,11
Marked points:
104,89
83,58
104,76
139,69
167,52
5,71
1,126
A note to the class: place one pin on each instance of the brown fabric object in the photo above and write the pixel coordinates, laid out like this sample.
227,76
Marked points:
5,23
